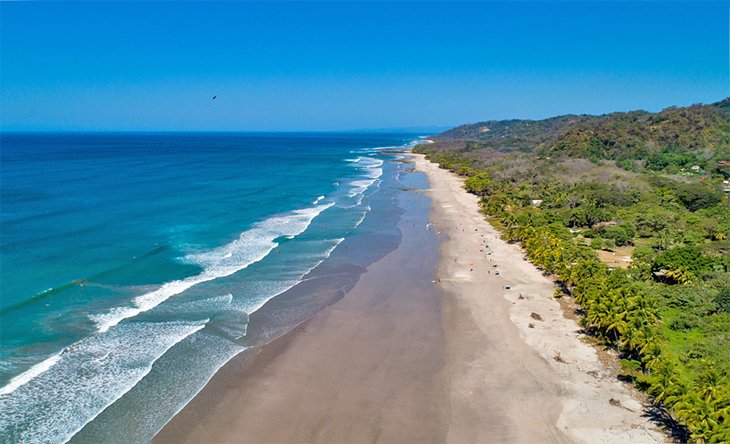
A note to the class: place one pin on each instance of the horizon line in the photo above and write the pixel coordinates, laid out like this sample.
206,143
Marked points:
147,131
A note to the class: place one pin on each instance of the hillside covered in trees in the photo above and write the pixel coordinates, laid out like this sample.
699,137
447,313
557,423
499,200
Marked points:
629,211
698,134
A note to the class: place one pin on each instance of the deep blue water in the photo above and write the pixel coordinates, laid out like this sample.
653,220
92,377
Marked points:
136,260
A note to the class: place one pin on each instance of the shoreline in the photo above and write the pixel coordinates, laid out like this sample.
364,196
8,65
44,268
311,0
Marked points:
525,325
366,368
428,346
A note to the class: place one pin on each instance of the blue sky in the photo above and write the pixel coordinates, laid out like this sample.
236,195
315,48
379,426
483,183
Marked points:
350,65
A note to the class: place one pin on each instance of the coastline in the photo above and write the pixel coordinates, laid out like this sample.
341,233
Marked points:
367,368
428,346
550,384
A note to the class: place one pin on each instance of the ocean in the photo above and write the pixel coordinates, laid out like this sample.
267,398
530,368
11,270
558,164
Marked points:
133,266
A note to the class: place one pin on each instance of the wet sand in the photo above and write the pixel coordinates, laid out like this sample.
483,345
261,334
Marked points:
429,346
366,369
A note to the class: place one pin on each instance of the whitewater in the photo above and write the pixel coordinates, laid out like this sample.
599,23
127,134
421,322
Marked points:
133,287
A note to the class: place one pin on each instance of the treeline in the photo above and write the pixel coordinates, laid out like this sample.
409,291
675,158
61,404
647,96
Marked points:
673,139
668,312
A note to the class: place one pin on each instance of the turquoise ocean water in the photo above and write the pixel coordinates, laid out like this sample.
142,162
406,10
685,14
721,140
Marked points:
134,266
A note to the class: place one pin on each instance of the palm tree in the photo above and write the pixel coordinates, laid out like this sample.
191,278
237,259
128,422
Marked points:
710,384
651,354
644,308
637,334
698,415
664,384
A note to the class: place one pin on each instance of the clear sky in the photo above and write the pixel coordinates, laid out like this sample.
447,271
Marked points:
350,65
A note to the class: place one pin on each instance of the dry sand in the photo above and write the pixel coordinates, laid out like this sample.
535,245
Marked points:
525,384
425,348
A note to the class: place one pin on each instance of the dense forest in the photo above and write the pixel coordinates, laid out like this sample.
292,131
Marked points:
629,211
675,137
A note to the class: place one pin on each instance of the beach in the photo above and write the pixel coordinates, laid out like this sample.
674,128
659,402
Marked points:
145,299
451,337
516,363
368,368
267,222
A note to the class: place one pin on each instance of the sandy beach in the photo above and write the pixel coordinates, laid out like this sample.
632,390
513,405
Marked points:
367,369
429,346
515,378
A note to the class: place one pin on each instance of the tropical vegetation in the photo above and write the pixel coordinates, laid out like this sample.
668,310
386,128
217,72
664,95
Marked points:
574,189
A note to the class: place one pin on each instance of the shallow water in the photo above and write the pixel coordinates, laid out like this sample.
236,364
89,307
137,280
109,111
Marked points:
134,266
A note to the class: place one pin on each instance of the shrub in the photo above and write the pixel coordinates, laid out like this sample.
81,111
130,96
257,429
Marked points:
723,300
682,264
597,243
479,184
685,321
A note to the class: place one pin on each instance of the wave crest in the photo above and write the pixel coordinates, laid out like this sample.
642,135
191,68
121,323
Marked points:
251,246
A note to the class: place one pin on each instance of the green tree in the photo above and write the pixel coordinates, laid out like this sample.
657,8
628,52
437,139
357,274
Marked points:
480,184
696,196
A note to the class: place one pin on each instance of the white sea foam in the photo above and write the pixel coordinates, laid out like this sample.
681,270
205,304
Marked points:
250,247
104,362
29,374
255,303
87,377
316,201
359,186
357,203
216,354
250,306
369,162
374,173
378,149
362,216
198,306
369,165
